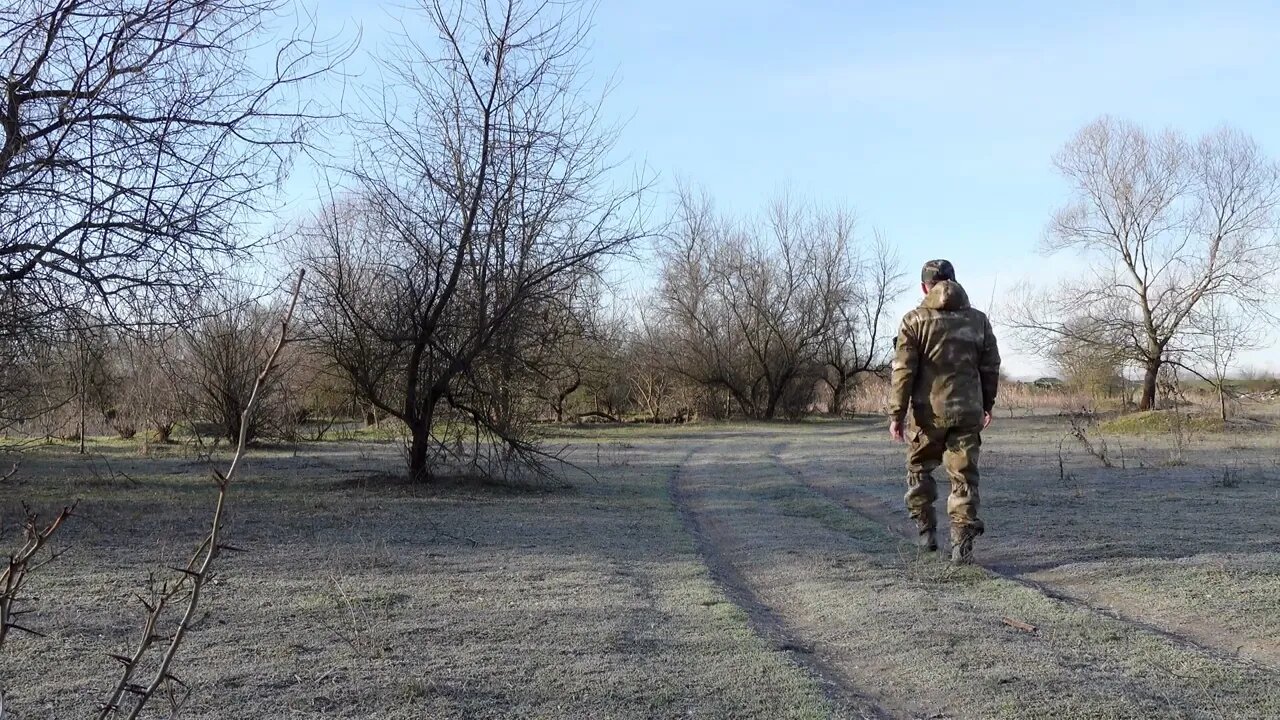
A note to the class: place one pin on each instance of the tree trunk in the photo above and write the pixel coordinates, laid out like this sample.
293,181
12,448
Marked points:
563,397
419,445
231,422
771,405
82,418
1148,401
1222,398
839,393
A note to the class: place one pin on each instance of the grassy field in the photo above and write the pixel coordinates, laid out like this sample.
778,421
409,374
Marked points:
719,570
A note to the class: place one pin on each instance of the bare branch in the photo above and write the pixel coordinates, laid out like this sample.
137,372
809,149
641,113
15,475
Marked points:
129,697
20,563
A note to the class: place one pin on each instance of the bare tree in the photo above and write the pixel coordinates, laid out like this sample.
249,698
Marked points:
46,406
607,378
1219,334
481,205
860,340
561,363
90,374
1166,225
153,391
654,387
580,368
61,377
221,354
135,136
751,306
18,380
35,387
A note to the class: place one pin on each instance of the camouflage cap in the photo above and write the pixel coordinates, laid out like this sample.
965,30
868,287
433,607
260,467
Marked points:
936,271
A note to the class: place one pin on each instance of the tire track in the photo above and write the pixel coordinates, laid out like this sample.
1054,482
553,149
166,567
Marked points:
876,510
845,696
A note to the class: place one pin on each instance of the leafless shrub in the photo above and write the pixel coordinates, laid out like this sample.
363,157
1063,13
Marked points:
153,392
222,353
1013,396
1094,367
1181,429
1066,478
1082,424
657,393
359,628
870,394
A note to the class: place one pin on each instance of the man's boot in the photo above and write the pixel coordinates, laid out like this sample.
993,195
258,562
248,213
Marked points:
928,539
962,544
921,494
927,526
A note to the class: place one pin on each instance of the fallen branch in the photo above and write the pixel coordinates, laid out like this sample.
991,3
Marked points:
190,580
1019,625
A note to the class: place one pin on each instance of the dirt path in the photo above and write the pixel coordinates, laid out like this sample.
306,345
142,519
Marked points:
828,579
1204,635
709,538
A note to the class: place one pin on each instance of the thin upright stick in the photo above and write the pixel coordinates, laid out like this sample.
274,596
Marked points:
198,570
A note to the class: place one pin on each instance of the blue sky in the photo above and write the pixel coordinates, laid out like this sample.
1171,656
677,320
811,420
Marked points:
936,121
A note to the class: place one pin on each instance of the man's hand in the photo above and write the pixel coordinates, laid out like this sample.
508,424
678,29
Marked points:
895,431
986,420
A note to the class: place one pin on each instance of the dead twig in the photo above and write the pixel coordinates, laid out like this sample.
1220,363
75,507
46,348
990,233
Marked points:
22,563
111,475
1081,423
440,533
190,580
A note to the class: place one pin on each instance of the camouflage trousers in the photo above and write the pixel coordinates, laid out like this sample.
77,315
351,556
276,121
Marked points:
957,449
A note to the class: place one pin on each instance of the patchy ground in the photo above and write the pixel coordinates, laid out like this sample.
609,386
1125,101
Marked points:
707,571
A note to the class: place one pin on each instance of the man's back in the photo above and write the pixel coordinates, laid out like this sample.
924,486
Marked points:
947,364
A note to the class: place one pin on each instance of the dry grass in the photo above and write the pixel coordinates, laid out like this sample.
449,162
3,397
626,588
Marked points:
360,599
586,602
1162,421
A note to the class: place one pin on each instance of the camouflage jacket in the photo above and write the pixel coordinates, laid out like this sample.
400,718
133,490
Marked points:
946,364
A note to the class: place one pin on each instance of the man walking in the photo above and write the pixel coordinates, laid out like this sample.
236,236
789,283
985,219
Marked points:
947,370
